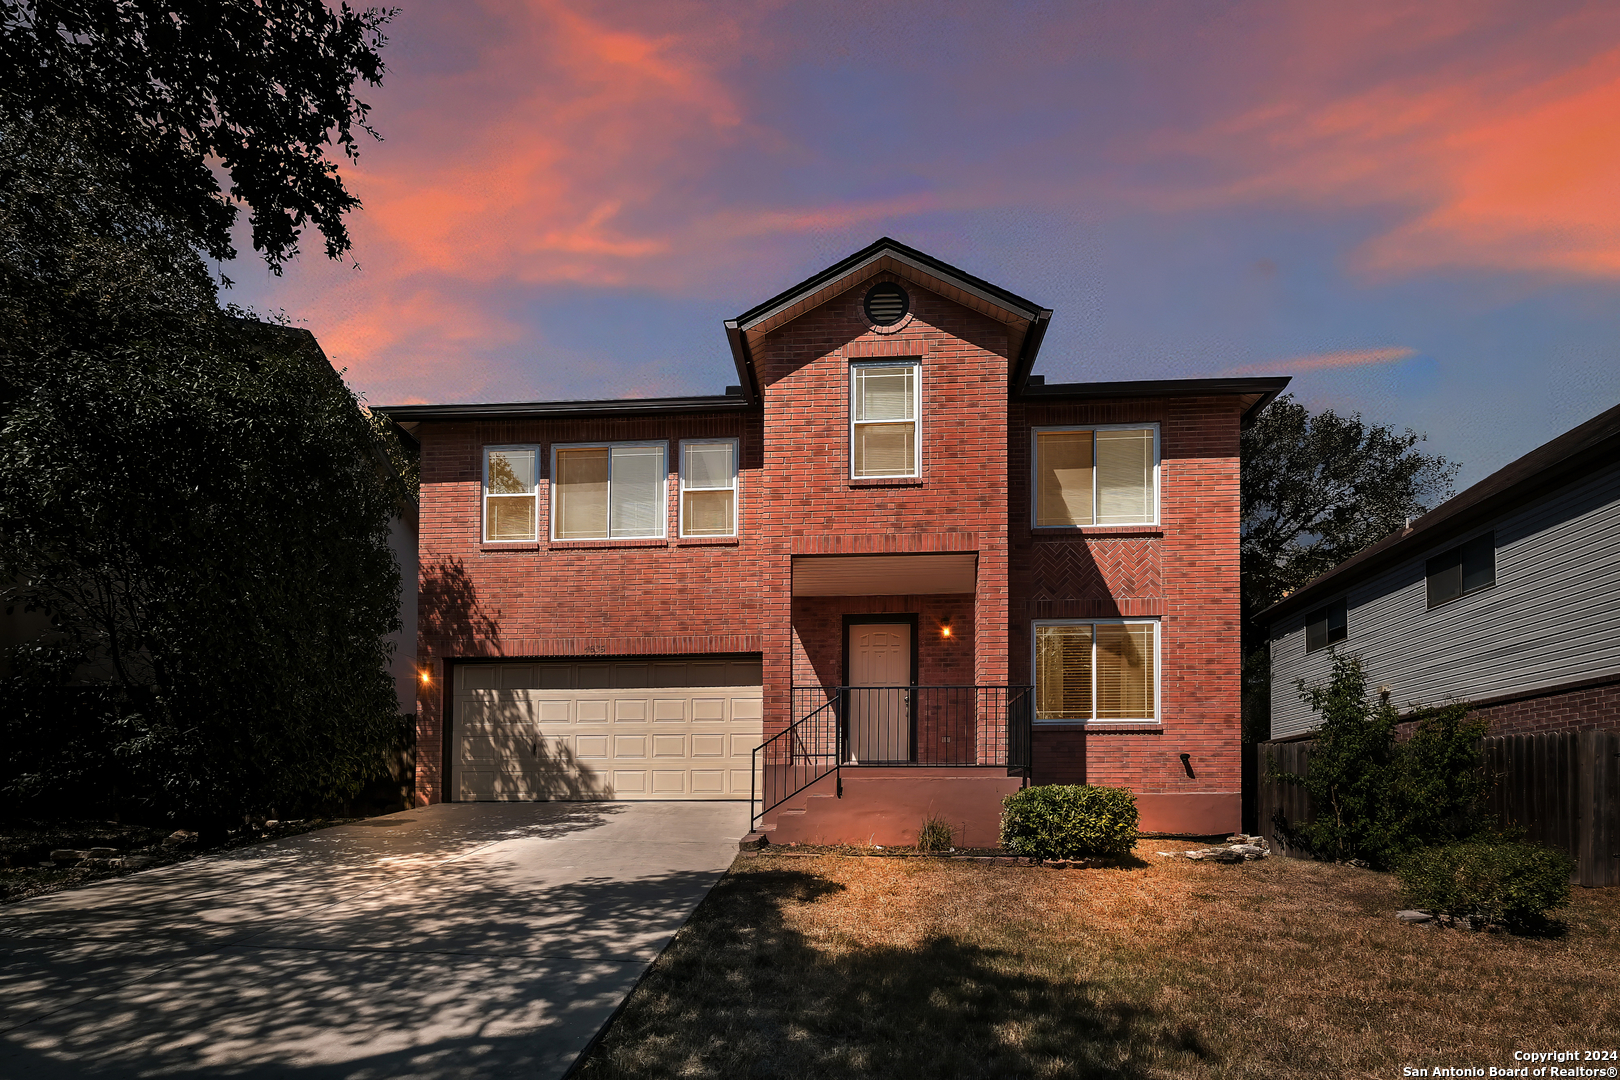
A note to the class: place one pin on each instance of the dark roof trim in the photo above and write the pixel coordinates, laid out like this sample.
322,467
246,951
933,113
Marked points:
976,286
563,409
1024,362
1265,386
1538,473
743,357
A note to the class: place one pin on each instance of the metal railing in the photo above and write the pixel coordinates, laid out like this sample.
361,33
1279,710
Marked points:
894,726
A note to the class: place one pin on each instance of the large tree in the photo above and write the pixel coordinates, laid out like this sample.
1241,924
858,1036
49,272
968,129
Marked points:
179,92
1317,488
196,503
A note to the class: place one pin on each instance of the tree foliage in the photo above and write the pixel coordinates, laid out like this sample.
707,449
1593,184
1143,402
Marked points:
1375,799
197,504
260,89
1318,488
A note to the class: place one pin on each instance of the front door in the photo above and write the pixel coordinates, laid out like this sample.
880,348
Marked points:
880,718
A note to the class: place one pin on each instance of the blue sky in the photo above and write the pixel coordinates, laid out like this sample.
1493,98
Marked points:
1413,208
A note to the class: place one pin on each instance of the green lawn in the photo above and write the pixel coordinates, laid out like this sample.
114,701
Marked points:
812,966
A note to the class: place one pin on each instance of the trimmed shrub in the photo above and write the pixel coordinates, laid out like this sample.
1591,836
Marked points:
1500,881
1068,821
935,835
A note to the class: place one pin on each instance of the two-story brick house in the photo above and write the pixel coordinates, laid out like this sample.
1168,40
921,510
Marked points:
891,574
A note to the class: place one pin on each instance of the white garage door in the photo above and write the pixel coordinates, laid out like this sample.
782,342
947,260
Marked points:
656,729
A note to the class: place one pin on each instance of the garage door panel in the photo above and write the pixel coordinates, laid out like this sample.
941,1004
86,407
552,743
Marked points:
570,730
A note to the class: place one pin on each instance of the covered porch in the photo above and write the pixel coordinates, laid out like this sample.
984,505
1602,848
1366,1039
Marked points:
891,717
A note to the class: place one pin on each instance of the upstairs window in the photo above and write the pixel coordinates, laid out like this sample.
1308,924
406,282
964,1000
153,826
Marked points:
709,488
510,493
1096,476
883,420
1326,625
1464,569
614,492
1087,671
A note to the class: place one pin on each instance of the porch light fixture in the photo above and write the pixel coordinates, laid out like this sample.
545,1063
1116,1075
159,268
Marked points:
945,628
424,676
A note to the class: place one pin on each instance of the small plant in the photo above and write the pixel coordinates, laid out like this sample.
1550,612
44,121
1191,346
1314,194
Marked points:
1068,821
1501,881
935,834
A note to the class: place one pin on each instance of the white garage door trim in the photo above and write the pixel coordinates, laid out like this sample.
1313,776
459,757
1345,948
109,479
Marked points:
577,729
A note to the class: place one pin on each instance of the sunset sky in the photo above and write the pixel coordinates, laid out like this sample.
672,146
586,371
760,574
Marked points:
1412,208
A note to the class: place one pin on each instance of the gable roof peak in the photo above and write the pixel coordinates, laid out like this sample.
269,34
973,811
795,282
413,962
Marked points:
1026,321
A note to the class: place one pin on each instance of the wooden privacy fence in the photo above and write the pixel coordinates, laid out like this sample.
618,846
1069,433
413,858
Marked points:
1562,789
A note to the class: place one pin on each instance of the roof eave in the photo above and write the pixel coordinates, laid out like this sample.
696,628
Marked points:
564,409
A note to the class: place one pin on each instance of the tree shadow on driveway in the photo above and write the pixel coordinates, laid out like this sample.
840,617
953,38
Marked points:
495,962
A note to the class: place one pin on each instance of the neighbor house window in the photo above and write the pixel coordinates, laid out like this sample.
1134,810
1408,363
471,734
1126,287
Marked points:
1326,625
615,492
1102,670
883,420
1464,569
709,488
510,493
1096,476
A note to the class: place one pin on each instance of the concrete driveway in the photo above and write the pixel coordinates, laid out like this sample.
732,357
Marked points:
452,941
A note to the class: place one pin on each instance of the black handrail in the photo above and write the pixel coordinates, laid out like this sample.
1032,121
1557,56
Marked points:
893,726
789,777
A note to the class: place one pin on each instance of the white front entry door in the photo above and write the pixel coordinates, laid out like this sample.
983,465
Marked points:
880,719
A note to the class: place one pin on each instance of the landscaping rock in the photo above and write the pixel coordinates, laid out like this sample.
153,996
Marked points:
136,862
67,857
102,853
1414,916
179,838
1249,851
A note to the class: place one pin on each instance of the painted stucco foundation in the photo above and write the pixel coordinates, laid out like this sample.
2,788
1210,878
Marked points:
887,806
1201,813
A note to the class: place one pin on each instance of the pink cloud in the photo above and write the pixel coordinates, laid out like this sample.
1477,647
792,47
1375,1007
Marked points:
1323,361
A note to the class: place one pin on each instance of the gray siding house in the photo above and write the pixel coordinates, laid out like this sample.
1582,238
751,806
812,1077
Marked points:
1507,595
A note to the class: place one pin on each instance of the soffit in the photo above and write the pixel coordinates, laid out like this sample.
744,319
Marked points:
883,575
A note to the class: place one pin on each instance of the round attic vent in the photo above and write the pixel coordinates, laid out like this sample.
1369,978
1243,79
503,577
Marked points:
886,304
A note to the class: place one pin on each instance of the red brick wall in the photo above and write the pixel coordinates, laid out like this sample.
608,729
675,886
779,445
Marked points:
1569,710
1185,572
573,598
804,372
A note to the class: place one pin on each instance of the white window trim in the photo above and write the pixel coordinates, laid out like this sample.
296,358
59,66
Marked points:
551,480
916,419
735,489
1034,475
483,501
1158,669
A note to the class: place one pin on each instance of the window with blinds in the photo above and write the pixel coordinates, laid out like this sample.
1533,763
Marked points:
1088,671
1095,476
608,492
709,488
510,493
883,420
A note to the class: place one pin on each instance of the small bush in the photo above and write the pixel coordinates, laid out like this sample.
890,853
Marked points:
1501,881
1068,821
935,835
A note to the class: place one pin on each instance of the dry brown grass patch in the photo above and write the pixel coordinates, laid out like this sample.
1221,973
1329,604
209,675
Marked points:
1167,968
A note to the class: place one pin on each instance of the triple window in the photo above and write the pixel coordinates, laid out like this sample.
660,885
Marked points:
1096,476
614,491
883,420
1096,670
